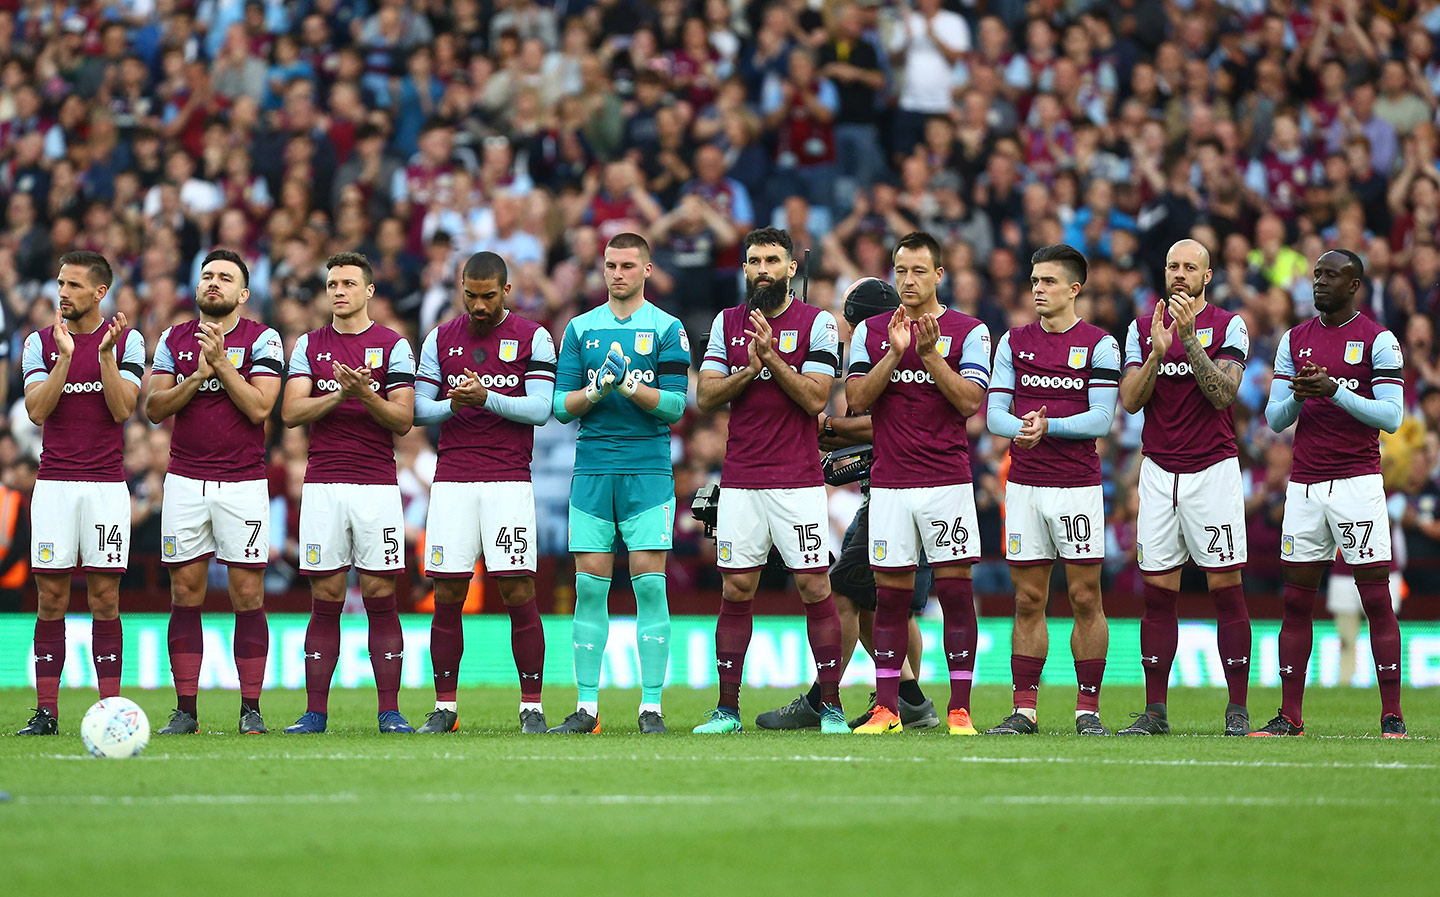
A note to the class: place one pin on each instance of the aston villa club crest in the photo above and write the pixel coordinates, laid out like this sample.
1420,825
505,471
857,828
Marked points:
1354,351
1079,355
1287,545
1012,545
235,356
942,345
167,545
509,349
724,551
1206,335
374,357
437,555
879,549
47,552
1139,553
644,342
312,552
789,339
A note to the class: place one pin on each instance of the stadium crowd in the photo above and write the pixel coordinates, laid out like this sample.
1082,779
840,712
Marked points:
419,132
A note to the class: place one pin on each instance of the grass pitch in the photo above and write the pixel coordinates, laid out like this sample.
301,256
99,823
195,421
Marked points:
490,811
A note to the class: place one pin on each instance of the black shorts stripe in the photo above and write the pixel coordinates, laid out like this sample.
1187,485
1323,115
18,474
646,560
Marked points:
672,367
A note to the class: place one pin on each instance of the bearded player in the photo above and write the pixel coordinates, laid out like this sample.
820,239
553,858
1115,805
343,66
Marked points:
922,372
623,373
1336,497
773,359
82,379
217,376
353,382
1053,394
487,379
1183,365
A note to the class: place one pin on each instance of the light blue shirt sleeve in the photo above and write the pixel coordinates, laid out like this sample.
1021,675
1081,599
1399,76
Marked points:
164,360
823,356
400,371
1132,345
715,354
300,357
1096,422
860,362
1386,360
132,359
429,367
1385,411
32,361
267,353
1237,338
975,356
533,408
1282,408
1001,397
430,409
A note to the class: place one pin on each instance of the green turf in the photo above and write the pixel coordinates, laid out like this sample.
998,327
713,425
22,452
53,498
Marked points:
490,811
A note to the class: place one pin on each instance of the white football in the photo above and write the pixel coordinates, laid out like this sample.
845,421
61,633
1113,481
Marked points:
115,727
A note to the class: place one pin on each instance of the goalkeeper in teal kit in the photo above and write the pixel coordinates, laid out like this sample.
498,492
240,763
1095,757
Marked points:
623,373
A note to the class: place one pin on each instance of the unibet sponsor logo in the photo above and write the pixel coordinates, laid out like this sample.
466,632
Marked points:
764,372
1348,382
911,376
91,386
213,384
1048,382
327,385
489,381
1175,369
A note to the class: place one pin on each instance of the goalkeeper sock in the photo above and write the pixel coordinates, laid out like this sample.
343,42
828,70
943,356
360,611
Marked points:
590,629
652,634
387,649
186,640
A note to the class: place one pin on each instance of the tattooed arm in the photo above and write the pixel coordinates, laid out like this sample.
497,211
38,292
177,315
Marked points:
1219,379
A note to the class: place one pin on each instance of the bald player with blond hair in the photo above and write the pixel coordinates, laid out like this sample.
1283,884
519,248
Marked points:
1183,365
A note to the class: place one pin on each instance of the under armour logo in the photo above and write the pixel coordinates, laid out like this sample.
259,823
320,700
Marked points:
1083,548
592,344
1383,667
1287,670
1144,659
455,350
658,639
884,344
959,656
884,653
252,552
727,664
112,558
110,657
316,656
1028,356
185,356
828,663
445,674
954,550
397,656
1236,661
392,559
527,675
737,340
812,558
587,646
45,657
516,560
1090,689
1367,552
1226,556
1304,353
54,356
323,356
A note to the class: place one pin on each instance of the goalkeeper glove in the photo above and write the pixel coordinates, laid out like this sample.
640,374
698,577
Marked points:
600,384
632,381
615,364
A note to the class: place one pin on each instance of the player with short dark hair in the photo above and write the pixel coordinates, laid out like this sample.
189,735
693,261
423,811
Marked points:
353,382
81,386
922,372
852,582
773,359
219,374
1183,365
487,378
623,373
1053,394
1336,496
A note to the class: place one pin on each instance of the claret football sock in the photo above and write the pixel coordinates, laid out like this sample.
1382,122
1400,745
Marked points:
652,634
186,639
447,645
1025,673
961,635
322,652
732,640
1297,637
387,649
1232,637
49,662
252,644
589,630
1088,676
527,644
892,640
822,626
1159,639
1384,642
107,643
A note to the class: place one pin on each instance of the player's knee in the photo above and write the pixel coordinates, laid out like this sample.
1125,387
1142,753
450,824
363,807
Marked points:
1029,604
517,590
105,602
814,588
53,601
1085,603
732,591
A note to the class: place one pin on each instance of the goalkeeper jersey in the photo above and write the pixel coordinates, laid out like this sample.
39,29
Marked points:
616,436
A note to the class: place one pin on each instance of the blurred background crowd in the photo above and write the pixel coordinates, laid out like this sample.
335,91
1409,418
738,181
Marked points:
419,132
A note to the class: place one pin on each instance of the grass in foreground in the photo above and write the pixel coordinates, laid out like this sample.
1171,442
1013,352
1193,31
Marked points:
767,813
